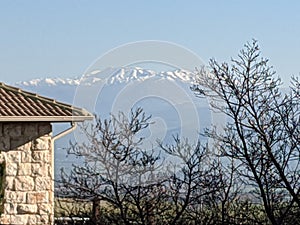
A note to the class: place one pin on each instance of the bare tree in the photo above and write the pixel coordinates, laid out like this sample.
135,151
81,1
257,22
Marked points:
250,175
262,128
132,185
117,170
195,177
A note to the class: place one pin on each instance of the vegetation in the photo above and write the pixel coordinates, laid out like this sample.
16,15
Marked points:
246,173
262,132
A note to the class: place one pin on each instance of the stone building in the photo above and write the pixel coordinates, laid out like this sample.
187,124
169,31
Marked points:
27,154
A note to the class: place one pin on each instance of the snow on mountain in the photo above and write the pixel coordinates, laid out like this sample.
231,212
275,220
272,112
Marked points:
164,95
112,76
49,82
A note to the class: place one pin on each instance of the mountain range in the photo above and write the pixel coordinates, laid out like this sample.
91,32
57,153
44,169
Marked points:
166,96
116,75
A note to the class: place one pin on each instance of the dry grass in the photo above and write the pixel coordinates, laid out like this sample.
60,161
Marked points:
65,207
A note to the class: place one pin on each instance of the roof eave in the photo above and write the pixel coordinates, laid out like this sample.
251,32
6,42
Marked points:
45,118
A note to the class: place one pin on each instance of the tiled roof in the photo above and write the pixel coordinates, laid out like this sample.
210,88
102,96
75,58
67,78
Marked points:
20,105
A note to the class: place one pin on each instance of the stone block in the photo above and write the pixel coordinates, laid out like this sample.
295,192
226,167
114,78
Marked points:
44,219
19,219
13,157
26,156
48,157
11,169
37,197
24,183
24,169
9,208
40,169
26,208
42,197
33,219
15,197
43,184
10,183
39,156
42,143
45,209
5,219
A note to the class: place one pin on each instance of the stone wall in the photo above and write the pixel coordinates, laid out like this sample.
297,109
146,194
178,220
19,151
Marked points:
26,150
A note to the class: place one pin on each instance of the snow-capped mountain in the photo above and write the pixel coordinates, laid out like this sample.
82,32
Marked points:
49,82
164,95
114,75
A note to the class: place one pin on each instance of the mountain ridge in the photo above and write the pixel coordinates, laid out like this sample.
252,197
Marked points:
164,95
114,75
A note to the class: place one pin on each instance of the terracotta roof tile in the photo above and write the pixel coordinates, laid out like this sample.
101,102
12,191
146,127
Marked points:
19,105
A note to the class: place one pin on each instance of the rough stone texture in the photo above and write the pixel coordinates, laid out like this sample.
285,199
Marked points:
24,183
15,197
26,150
27,208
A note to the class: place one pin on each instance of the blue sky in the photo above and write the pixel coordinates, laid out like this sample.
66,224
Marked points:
62,38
